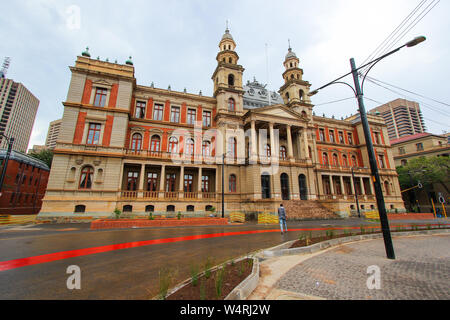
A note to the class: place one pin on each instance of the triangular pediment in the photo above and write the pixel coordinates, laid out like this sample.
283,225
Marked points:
278,111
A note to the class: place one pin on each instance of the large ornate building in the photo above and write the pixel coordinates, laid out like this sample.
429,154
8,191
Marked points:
142,149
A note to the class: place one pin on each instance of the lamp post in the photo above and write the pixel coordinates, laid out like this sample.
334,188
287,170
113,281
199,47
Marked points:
359,93
5,162
223,183
356,194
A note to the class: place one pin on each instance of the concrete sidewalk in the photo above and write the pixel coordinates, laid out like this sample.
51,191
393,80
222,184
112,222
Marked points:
421,271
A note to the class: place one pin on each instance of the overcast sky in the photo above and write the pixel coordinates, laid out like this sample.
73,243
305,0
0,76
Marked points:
175,43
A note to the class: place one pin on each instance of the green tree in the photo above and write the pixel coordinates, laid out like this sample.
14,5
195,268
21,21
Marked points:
427,171
44,155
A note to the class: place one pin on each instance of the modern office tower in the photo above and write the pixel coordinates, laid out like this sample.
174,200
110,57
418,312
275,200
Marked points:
18,108
403,118
53,132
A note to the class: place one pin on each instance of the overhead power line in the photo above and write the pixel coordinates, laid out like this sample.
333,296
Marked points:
426,105
417,94
335,101
386,41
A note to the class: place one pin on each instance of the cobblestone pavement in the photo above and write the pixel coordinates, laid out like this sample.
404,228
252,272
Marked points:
421,271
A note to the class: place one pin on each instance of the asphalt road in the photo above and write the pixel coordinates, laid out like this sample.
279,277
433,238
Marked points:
131,273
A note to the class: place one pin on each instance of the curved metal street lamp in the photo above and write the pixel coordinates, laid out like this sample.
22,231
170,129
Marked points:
358,90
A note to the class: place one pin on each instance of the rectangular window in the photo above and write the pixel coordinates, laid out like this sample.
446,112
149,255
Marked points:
350,138
381,160
419,146
152,181
94,133
158,112
332,136
322,134
175,115
188,183
100,97
191,116
206,118
140,110
205,183
377,138
341,137
401,150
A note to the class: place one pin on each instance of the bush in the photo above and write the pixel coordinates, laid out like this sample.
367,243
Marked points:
117,213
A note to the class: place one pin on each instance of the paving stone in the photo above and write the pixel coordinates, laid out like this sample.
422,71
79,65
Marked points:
421,271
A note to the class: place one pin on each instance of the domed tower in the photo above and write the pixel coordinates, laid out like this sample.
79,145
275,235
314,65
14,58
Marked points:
227,77
295,90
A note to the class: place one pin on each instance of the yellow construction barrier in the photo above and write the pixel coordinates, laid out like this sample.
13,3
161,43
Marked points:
5,220
237,217
267,218
372,215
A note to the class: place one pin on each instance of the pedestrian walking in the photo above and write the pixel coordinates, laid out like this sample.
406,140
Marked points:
282,218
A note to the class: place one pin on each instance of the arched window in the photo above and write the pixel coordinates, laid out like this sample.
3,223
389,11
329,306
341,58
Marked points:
170,208
155,144
325,158
287,96
386,188
304,115
232,183
232,148
206,148
189,147
86,178
136,142
283,153
345,161
150,208
335,160
302,94
231,79
81,208
231,104
127,208
209,208
310,152
173,145
190,209
230,60
354,162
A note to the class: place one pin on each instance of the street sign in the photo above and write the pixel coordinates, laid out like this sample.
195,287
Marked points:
441,198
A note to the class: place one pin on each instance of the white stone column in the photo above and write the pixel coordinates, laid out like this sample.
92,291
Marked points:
353,185
273,150
181,185
141,182
254,145
162,178
289,140
199,182
342,186
305,143
332,185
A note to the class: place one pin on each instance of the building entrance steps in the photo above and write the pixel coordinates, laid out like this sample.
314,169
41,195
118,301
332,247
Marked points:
307,209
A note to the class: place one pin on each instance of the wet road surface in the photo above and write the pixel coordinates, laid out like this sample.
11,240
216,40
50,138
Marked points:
131,273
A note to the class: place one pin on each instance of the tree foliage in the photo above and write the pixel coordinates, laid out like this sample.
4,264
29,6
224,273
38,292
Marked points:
427,171
44,155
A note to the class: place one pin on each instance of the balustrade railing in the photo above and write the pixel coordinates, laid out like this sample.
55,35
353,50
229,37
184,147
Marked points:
151,194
